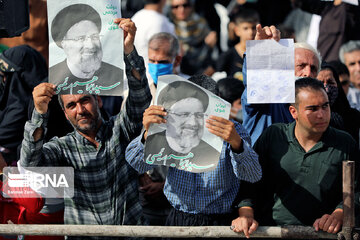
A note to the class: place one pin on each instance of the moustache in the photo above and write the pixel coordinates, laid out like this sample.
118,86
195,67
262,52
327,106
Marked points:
190,127
87,115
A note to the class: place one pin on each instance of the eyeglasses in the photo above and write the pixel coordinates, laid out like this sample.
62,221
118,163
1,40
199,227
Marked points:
184,115
81,39
185,5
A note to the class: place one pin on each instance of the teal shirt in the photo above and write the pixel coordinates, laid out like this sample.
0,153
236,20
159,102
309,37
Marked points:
297,186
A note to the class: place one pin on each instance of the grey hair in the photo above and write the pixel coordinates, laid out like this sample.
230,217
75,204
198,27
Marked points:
348,47
164,36
307,46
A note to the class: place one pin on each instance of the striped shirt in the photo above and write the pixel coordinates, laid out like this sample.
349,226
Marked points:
106,189
209,192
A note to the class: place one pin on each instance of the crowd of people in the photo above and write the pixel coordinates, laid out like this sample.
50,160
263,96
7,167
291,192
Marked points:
280,163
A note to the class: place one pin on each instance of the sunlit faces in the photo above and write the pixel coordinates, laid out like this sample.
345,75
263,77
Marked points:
185,124
327,78
352,61
158,52
245,30
181,9
306,63
83,112
312,113
83,49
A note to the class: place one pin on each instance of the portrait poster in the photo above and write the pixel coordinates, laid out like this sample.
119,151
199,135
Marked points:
85,47
183,141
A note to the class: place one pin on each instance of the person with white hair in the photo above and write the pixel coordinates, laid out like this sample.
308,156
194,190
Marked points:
257,117
349,54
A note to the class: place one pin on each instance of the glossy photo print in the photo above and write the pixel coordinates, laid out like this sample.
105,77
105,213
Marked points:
184,142
85,47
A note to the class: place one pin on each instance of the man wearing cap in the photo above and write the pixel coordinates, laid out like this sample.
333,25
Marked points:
206,198
76,29
184,126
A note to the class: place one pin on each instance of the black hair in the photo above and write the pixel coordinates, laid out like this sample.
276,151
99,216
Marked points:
151,1
230,89
206,82
339,67
242,15
309,83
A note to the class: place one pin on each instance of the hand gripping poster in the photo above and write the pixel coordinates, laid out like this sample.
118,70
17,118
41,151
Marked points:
85,47
183,141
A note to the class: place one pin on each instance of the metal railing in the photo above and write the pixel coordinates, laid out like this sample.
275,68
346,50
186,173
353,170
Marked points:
286,232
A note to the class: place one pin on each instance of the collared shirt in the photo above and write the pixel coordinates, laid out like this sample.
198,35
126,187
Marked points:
354,97
297,186
106,189
208,192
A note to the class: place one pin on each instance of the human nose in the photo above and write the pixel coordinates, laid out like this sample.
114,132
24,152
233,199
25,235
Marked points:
79,108
321,113
88,42
191,119
357,66
306,71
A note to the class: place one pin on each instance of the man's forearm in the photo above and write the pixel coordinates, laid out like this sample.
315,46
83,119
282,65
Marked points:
38,134
32,144
139,97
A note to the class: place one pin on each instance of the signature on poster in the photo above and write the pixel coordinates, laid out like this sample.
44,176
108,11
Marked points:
184,162
90,86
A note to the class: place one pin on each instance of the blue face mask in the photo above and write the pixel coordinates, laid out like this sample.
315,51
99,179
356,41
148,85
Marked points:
160,69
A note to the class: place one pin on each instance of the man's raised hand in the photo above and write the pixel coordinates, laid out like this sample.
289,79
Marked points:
267,33
42,95
153,114
129,33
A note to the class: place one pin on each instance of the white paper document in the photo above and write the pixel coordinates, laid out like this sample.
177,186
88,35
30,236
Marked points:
270,71
353,2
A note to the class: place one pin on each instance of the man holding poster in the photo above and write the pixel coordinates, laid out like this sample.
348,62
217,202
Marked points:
200,198
106,187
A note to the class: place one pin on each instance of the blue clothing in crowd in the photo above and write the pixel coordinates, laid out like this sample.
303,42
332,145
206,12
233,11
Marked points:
257,117
210,192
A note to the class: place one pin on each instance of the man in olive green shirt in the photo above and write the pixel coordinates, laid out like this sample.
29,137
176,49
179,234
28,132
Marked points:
302,168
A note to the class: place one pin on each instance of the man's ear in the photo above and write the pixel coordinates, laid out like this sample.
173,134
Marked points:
293,112
177,61
100,103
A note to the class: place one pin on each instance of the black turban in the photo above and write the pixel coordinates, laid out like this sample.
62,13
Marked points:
71,15
179,90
